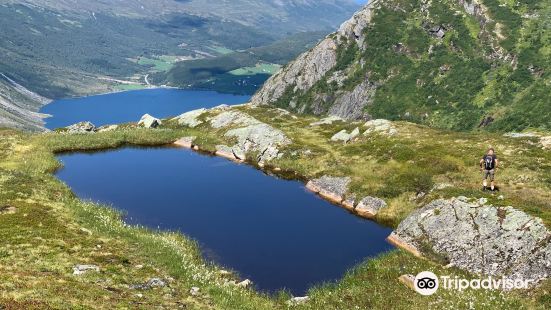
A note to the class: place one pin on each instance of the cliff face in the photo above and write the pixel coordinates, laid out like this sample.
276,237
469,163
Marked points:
457,64
313,66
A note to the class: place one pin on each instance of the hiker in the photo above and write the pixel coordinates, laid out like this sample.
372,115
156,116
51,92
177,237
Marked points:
488,166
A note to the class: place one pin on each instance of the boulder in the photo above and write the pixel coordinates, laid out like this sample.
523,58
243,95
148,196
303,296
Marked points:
82,127
194,291
190,119
381,126
369,207
7,210
252,136
483,239
245,283
151,283
82,269
149,121
344,136
298,300
331,188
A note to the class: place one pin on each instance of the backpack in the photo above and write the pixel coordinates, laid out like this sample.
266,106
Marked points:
489,162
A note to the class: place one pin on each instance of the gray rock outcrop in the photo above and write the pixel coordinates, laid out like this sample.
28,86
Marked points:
151,283
344,136
82,127
82,269
149,121
251,135
479,238
331,188
381,126
190,119
369,206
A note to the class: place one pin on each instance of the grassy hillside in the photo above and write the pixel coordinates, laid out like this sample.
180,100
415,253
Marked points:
46,230
491,60
238,72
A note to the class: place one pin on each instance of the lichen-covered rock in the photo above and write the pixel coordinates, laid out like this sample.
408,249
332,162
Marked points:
261,138
82,127
369,206
82,269
149,121
229,152
190,119
332,188
252,136
229,118
344,136
151,283
381,126
498,241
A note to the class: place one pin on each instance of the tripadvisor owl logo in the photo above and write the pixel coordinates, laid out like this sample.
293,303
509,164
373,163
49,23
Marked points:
426,283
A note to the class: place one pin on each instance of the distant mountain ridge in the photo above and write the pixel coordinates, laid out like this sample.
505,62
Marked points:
276,17
456,64
63,48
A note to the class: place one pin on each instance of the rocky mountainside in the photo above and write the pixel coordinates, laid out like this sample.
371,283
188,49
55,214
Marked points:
457,64
19,106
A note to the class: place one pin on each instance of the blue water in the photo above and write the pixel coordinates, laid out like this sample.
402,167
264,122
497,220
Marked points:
269,230
129,106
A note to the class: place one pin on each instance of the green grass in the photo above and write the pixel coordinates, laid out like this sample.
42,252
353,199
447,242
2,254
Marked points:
162,63
221,50
125,87
52,230
259,68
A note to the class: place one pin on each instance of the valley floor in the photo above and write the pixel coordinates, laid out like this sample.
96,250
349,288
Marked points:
46,231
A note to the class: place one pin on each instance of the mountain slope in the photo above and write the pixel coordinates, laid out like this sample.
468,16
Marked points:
275,17
76,47
238,72
456,64
19,106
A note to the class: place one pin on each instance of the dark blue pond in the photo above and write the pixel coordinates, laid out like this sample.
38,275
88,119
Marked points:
269,230
129,106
